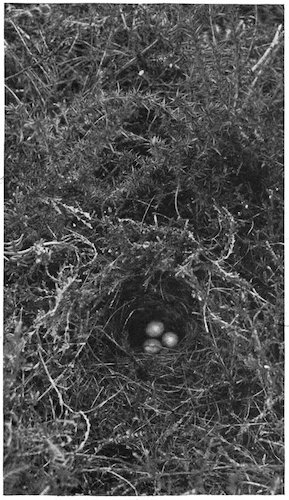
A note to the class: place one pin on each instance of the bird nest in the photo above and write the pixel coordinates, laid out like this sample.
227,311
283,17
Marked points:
165,298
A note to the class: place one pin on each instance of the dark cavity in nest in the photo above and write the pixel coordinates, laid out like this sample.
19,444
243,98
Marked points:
165,298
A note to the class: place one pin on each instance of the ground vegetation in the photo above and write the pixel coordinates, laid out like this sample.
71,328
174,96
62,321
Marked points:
143,178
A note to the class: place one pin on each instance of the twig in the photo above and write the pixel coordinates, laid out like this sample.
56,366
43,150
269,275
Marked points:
14,95
87,432
110,471
60,399
176,201
269,52
263,62
146,211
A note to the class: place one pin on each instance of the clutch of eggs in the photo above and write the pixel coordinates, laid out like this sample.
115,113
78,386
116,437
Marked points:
170,339
154,328
152,346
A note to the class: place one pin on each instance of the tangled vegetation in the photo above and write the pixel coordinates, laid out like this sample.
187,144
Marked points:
143,177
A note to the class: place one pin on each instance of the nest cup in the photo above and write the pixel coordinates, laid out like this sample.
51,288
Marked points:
165,298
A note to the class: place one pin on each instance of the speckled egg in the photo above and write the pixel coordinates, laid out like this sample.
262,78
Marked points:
154,328
152,346
170,339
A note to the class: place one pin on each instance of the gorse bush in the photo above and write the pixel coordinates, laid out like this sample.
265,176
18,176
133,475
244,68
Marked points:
143,180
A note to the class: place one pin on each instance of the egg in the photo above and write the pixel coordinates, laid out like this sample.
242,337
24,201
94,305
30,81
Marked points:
155,328
152,346
170,339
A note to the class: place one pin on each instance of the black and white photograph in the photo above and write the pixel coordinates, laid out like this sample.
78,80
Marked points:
143,337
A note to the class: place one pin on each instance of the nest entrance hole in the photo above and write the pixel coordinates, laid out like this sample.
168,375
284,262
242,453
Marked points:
165,298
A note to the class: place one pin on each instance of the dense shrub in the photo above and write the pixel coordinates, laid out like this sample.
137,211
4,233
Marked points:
143,178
